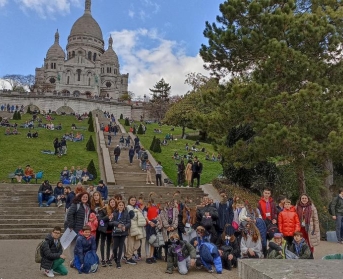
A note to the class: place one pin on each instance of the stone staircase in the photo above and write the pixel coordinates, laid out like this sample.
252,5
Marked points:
21,218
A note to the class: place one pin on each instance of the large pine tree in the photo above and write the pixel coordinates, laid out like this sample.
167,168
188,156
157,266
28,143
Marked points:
284,60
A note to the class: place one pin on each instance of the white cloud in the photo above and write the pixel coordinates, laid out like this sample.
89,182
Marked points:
3,3
147,65
131,13
47,8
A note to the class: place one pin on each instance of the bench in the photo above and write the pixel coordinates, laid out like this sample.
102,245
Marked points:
38,176
11,176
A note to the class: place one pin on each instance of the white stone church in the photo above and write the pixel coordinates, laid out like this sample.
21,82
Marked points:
86,69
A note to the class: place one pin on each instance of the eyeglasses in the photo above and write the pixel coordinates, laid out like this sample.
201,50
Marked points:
56,232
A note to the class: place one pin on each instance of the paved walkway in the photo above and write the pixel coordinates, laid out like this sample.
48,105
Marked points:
17,262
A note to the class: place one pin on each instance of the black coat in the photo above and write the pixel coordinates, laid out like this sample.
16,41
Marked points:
103,221
76,217
124,219
50,252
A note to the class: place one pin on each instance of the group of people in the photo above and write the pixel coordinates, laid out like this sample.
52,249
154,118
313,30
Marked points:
11,108
24,174
74,176
189,172
210,236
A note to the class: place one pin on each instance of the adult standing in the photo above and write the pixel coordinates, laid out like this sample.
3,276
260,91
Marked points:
158,172
121,224
181,173
337,214
196,171
309,221
131,154
109,137
56,146
188,172
116,154
267,207
77,216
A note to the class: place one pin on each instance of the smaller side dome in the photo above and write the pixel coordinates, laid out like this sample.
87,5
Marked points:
55,51
109,57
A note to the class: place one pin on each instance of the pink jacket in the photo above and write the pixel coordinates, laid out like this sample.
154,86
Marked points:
93,224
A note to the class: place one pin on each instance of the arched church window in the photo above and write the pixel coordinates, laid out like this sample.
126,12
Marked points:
46,66
89,55
89,81
108,84
73,54
52,80
94,56
51,65
115,71
68,80
78,75
54,65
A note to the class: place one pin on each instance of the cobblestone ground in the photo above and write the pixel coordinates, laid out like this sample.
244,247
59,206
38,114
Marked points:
17,262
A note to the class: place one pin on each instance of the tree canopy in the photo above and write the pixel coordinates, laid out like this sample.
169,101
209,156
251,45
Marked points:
284,59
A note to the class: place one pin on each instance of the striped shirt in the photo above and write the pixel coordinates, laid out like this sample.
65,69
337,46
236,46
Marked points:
158,169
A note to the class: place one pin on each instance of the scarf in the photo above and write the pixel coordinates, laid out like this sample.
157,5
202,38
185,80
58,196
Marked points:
305,213
298,246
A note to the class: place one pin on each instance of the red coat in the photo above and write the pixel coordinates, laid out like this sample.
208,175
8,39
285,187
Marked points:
288,221
262,206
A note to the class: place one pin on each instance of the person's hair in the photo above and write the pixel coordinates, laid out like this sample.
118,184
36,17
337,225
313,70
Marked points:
67,187
159,162
255,233
309,199
174,235
59,183
267,189
298,233
57,228
131,197
200,229
86,228
118,196
78,198
232,237
101,203
288,201
340,190
79,189
108,207
121,202
190,161
250,209
281,198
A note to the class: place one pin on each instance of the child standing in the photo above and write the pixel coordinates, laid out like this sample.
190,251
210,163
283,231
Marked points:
93,224
148,168
288,222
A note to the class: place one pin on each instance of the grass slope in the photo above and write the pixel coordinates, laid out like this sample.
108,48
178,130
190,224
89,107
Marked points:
210,169
18,150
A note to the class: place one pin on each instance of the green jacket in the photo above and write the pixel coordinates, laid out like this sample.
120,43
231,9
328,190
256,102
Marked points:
187,250
337,206
274,250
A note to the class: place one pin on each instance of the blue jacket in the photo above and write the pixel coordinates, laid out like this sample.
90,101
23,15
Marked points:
225,213
209,254
58,191
103,191
261,225
83,245
69,199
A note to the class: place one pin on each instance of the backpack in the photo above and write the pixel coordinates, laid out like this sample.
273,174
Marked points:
38,255
207,223
145,156
271,230
90,262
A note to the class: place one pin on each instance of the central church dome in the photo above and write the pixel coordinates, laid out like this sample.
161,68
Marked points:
87,25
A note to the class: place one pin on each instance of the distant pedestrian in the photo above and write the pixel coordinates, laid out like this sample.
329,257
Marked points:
158,171
116,154
109,137
196,171
131,154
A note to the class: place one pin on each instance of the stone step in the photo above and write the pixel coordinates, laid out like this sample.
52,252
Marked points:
25,230
15,220
32,225
33,210
23,235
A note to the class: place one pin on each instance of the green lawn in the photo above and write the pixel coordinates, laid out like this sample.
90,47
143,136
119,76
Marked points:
18,150
210,169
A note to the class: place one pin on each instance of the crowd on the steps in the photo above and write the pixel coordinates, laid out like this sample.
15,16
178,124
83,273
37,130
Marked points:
211,236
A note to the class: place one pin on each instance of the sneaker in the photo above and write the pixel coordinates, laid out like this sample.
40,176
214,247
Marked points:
59,203
49,273
153,260
124,259
147,183
103,263
109,262
151,182
210,270
71,264
148,261
131,261
118,265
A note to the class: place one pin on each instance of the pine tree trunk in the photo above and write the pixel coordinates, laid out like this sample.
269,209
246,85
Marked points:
328,181
301,180
183,132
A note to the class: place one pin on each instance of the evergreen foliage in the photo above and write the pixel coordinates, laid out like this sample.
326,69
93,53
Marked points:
90,146
28,109
90,119
121,116
92,170
152,143
280,86
91,126
134,130
15,116
127,122
140,130
157,146
18,115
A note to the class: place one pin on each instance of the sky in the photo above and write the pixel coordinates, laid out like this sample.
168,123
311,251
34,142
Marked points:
152,38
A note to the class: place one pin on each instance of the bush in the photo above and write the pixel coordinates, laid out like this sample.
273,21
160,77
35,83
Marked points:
91,126
18,115
140,130
121,116
157,146
15,116
90,115
0,118
127,122
28,109
152,143
90,119
90,146
92,170
134,130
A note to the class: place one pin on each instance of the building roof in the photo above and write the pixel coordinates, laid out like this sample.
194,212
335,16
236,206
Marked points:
55,51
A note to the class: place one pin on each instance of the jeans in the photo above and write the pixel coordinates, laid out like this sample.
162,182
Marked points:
116,157
338,227
143,165
184,265
130,159
118,245
158,179
197,176
58,267
27,178
105,237
45,197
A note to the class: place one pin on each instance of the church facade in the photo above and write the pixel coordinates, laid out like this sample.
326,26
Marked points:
86,69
